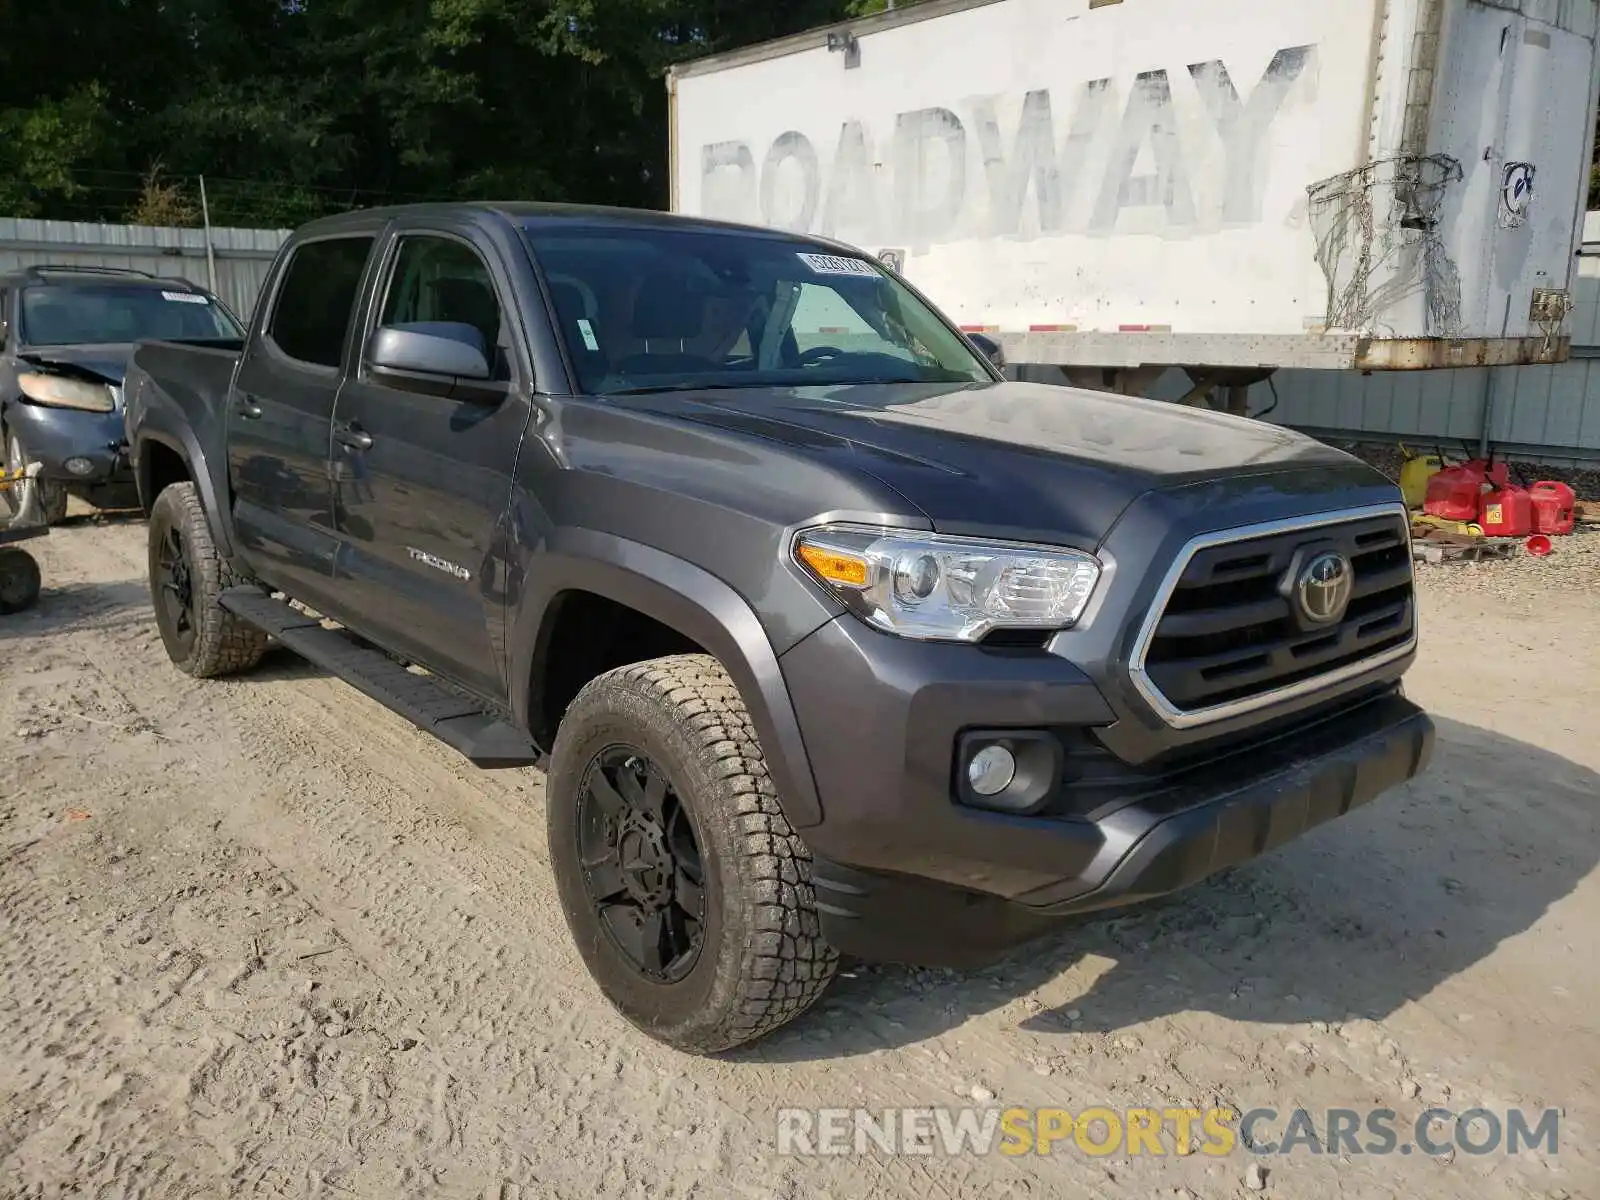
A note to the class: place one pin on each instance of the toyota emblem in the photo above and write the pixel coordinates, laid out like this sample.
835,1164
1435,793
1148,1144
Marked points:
1324,588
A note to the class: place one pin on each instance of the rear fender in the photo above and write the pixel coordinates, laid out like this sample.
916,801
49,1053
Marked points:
694,603
207,480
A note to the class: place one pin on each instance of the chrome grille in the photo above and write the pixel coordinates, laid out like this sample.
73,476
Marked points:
1223,636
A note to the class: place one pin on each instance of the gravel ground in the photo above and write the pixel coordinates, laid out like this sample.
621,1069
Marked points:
261,938
1523,580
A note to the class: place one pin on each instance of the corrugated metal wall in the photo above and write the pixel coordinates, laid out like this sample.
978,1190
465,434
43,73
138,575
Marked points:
242,255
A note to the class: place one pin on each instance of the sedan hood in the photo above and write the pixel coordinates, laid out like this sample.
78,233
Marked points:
1018,460
107,363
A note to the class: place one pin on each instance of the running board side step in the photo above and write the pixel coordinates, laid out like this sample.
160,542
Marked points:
458,722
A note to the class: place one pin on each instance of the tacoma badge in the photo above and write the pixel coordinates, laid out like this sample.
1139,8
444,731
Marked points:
439,564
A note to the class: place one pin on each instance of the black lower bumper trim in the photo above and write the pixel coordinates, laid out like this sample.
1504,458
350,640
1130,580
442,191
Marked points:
1176,849
896,918
1147,852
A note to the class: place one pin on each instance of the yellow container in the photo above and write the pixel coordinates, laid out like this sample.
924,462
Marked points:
1414,476
1466,528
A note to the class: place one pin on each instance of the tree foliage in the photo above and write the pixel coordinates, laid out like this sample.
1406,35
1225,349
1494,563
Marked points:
292,108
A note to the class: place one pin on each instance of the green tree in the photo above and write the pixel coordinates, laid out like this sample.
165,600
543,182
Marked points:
291,108
42,145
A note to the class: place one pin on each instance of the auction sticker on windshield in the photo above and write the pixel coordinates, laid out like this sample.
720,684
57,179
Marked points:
184,298
828,264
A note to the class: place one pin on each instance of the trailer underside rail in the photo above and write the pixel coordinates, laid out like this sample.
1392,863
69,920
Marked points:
1125,348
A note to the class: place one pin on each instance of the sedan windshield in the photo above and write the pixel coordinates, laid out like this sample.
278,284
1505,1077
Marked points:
99,314
645,310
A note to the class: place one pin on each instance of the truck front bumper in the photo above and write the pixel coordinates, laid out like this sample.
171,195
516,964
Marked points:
905,872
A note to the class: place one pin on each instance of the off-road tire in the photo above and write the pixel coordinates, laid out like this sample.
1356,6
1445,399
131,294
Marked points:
222,643
52,496
19,580
763,960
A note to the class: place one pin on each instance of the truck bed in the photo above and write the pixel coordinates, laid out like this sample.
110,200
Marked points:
177,393
190,368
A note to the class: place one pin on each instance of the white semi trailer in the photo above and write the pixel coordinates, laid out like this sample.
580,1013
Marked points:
1117,187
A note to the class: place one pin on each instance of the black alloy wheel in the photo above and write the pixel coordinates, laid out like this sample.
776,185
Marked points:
688,894
175,591
187,580
641,863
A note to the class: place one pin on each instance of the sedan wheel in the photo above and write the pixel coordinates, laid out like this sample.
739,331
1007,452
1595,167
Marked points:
52,497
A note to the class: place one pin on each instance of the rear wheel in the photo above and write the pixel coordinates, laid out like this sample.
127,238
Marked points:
686,890
52,496
187,579
19,580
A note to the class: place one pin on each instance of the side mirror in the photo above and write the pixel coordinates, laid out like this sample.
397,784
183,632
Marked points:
989,348
440,348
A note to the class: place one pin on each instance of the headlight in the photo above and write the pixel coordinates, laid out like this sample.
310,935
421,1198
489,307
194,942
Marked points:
58,391
934,588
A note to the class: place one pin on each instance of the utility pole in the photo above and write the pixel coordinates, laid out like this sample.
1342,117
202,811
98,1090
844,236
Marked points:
211,257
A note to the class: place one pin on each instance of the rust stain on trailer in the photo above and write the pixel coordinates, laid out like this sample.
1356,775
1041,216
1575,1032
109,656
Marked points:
1429,354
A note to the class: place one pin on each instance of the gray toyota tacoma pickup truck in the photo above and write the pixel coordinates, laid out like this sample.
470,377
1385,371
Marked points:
832,641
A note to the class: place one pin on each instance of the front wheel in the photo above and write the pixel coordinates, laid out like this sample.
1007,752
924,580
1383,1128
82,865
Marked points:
187,579
687,892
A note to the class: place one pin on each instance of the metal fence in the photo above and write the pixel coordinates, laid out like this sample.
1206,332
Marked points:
242,256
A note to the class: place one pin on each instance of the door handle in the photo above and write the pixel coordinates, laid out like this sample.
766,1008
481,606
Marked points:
248,408
355,439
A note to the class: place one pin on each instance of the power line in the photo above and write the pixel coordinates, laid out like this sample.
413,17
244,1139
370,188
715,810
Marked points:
84,175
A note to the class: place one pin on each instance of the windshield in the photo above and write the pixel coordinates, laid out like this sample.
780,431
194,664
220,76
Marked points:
650,309
97,314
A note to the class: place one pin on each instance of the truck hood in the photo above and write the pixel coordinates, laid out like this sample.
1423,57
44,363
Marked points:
106,364
1017,460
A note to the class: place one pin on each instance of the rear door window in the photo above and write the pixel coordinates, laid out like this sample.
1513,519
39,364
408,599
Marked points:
316,301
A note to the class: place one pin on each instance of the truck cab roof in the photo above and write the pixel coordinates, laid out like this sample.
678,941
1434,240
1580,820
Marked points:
534,215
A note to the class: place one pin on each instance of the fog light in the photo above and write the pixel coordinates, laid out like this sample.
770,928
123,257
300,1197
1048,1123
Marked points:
79,466
991,770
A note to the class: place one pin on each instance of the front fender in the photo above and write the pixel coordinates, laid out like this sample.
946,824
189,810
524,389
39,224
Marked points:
693,602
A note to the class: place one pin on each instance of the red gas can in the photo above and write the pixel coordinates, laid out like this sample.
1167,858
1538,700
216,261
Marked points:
1507,510
1453,492
1554,507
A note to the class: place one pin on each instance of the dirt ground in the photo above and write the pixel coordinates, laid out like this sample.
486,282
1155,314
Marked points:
262,938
